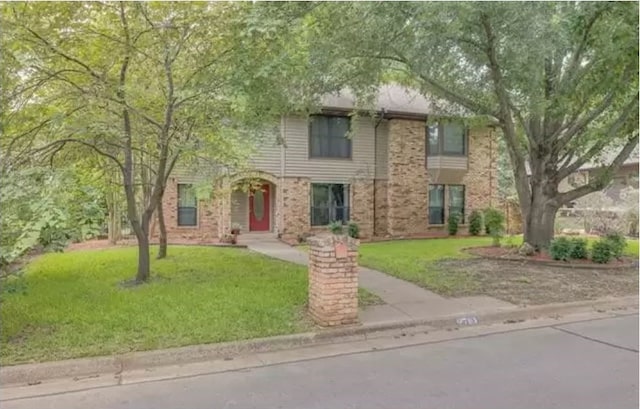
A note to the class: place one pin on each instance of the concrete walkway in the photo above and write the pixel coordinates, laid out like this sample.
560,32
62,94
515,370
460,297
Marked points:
404,301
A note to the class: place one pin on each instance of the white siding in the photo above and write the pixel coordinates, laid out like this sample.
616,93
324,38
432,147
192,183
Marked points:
240,210
447,162
298,163
382,149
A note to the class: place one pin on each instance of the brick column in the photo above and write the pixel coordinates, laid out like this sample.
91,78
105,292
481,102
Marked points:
333,280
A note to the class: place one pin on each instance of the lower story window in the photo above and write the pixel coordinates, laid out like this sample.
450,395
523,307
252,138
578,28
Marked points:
329,203
436,204
456,201
187,205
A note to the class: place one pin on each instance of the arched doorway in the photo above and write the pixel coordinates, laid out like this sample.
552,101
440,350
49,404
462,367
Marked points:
253,202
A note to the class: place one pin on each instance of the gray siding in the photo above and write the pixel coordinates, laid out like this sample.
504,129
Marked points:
298,163
240,210
382,150
268,154
447,162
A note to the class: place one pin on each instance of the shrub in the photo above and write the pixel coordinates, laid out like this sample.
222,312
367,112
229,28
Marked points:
618,244
452,223
578,249
560,249
336,227
353,230
475,223
494,224
601,251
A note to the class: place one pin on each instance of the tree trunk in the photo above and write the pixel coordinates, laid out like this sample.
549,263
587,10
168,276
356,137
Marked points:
114,227
162,251
144,265
539,224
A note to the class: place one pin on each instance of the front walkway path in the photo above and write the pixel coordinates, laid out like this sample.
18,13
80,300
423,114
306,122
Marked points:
404,301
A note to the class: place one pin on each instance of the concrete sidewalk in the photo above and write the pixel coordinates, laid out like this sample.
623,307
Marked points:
404,301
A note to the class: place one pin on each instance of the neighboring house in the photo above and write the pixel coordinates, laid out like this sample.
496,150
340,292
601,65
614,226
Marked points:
395,175
626,176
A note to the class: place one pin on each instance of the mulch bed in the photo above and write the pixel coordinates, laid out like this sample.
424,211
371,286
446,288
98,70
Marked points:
511,254
528,283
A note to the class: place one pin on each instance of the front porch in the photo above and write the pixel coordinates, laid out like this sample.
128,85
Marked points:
253,207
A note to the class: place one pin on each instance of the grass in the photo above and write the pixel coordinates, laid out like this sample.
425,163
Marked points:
366,298
413,260
70,305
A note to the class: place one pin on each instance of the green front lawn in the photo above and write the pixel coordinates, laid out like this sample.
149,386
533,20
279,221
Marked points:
413,260
70,305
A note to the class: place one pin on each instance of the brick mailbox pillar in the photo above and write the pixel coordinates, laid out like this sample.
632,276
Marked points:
333,280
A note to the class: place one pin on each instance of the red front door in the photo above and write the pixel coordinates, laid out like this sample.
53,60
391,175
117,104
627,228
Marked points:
259,207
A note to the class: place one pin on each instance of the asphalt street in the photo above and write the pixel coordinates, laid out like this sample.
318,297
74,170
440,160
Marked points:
584,365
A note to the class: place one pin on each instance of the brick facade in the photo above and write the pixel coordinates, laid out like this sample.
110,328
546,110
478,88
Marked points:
395,206
333,280
381,209
206,229
295,211
481,178
362,206
407,185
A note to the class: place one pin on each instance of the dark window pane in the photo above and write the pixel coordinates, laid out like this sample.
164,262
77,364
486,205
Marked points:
456,201
320,195
186,195
432,140
436,204
453,138
187,216
329,203
187,205
328,137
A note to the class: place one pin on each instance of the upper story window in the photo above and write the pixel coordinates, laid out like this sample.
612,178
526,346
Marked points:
187,205
328,137
446,138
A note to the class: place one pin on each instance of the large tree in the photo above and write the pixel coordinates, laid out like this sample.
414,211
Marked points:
559,79
140,84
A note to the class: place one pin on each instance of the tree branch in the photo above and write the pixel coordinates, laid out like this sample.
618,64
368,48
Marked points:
601,180
56,147
63,54
631,107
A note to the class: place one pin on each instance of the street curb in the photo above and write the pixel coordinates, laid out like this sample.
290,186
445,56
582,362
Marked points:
91,367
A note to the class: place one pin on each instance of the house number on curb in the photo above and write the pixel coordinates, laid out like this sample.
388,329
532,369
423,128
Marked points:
467,321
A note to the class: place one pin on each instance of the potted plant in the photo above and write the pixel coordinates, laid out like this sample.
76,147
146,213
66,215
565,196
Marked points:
235,229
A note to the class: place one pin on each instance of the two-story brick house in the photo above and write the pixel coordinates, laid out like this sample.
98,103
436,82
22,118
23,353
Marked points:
399,172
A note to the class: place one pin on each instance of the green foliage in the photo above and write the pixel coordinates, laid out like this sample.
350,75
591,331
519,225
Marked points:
560,248
575,77
46,208
602,251
494,224
618,244
475,223
336,227
452,224
353,230
578,249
